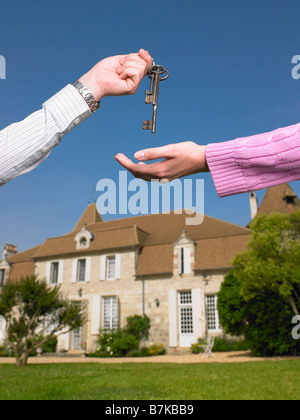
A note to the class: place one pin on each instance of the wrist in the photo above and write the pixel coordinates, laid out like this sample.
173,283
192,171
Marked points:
206,167
200,158
90,82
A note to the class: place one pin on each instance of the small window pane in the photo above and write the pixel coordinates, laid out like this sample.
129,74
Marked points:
111,267
212,315
81,270
2,278
110,320
185,298
54,273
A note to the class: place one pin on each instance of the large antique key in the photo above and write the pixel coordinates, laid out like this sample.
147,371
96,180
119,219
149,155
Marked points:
155,73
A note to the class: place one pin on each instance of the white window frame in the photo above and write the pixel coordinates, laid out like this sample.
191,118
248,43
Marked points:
212,314
110,312
79,261
105,273
111,273
185,305
2,277
52,272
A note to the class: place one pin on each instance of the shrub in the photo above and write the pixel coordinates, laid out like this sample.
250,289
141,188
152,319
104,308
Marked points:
138,326
197,348
223,345
121,342
123,345
156,350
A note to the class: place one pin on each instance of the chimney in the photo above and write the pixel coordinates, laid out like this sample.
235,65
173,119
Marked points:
9,250
253,205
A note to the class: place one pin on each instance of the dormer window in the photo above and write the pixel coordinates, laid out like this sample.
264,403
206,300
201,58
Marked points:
184,260
83,238
83,242
184,254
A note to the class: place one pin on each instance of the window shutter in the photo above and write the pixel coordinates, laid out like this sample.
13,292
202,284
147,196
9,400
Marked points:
179,260
187,260
172,318
196,302
118,266
74,271
60,272
95,322
48,272
88,269
102,267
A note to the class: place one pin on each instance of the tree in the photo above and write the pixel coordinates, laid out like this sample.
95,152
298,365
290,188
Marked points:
260,295
272,260
264,320
35,313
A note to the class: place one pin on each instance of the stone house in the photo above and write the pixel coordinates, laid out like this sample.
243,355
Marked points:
153,265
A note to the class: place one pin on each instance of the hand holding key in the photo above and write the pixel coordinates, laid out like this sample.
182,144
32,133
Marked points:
118,75
155,74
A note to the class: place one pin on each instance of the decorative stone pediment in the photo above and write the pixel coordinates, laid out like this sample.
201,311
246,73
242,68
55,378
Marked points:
83,238
183,239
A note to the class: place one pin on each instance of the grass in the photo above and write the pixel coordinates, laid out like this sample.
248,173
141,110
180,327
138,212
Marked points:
265,380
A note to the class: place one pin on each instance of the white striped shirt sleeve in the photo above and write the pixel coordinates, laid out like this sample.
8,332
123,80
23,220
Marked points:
24,145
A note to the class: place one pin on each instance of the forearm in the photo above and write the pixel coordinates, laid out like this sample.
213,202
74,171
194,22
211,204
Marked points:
24,145
255,162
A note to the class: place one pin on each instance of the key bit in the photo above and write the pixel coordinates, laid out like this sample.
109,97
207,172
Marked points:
155,74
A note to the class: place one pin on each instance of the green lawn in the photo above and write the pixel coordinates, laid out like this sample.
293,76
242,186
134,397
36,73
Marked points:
271,380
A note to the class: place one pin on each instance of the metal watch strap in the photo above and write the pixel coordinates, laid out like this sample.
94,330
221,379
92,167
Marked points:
87,96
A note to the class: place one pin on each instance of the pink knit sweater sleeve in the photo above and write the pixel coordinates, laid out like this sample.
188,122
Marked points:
256,162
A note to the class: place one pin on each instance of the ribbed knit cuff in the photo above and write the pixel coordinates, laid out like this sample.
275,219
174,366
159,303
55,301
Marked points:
227,175
68,108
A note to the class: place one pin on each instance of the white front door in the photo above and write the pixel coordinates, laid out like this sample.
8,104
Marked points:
185,316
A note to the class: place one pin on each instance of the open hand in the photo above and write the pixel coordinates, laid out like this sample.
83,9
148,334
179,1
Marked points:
180,160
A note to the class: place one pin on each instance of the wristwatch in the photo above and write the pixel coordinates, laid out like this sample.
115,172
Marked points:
87,96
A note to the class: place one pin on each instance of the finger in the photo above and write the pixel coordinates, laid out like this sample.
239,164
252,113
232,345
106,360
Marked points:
146,172
146,56
165,152
124,161
132,73
138,66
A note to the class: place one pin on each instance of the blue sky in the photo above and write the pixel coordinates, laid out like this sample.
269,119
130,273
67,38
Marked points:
230,76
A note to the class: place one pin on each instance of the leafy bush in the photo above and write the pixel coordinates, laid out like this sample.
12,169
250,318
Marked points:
197,348
124,344
50,346
6,351
156,350
153,350
223,345
121,342
142,352
220,345
138,326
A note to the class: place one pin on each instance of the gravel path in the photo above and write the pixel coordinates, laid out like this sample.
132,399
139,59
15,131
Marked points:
230,357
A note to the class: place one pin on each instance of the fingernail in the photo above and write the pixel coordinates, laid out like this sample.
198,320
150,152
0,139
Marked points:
139,155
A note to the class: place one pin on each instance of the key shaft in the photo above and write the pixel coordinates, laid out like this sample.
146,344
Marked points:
155,74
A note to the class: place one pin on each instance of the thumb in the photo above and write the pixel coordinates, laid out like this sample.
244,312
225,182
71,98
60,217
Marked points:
146,56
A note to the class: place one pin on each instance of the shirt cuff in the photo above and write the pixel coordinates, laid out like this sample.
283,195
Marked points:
227,175
68,108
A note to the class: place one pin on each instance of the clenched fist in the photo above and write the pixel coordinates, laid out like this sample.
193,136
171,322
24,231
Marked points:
117,75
